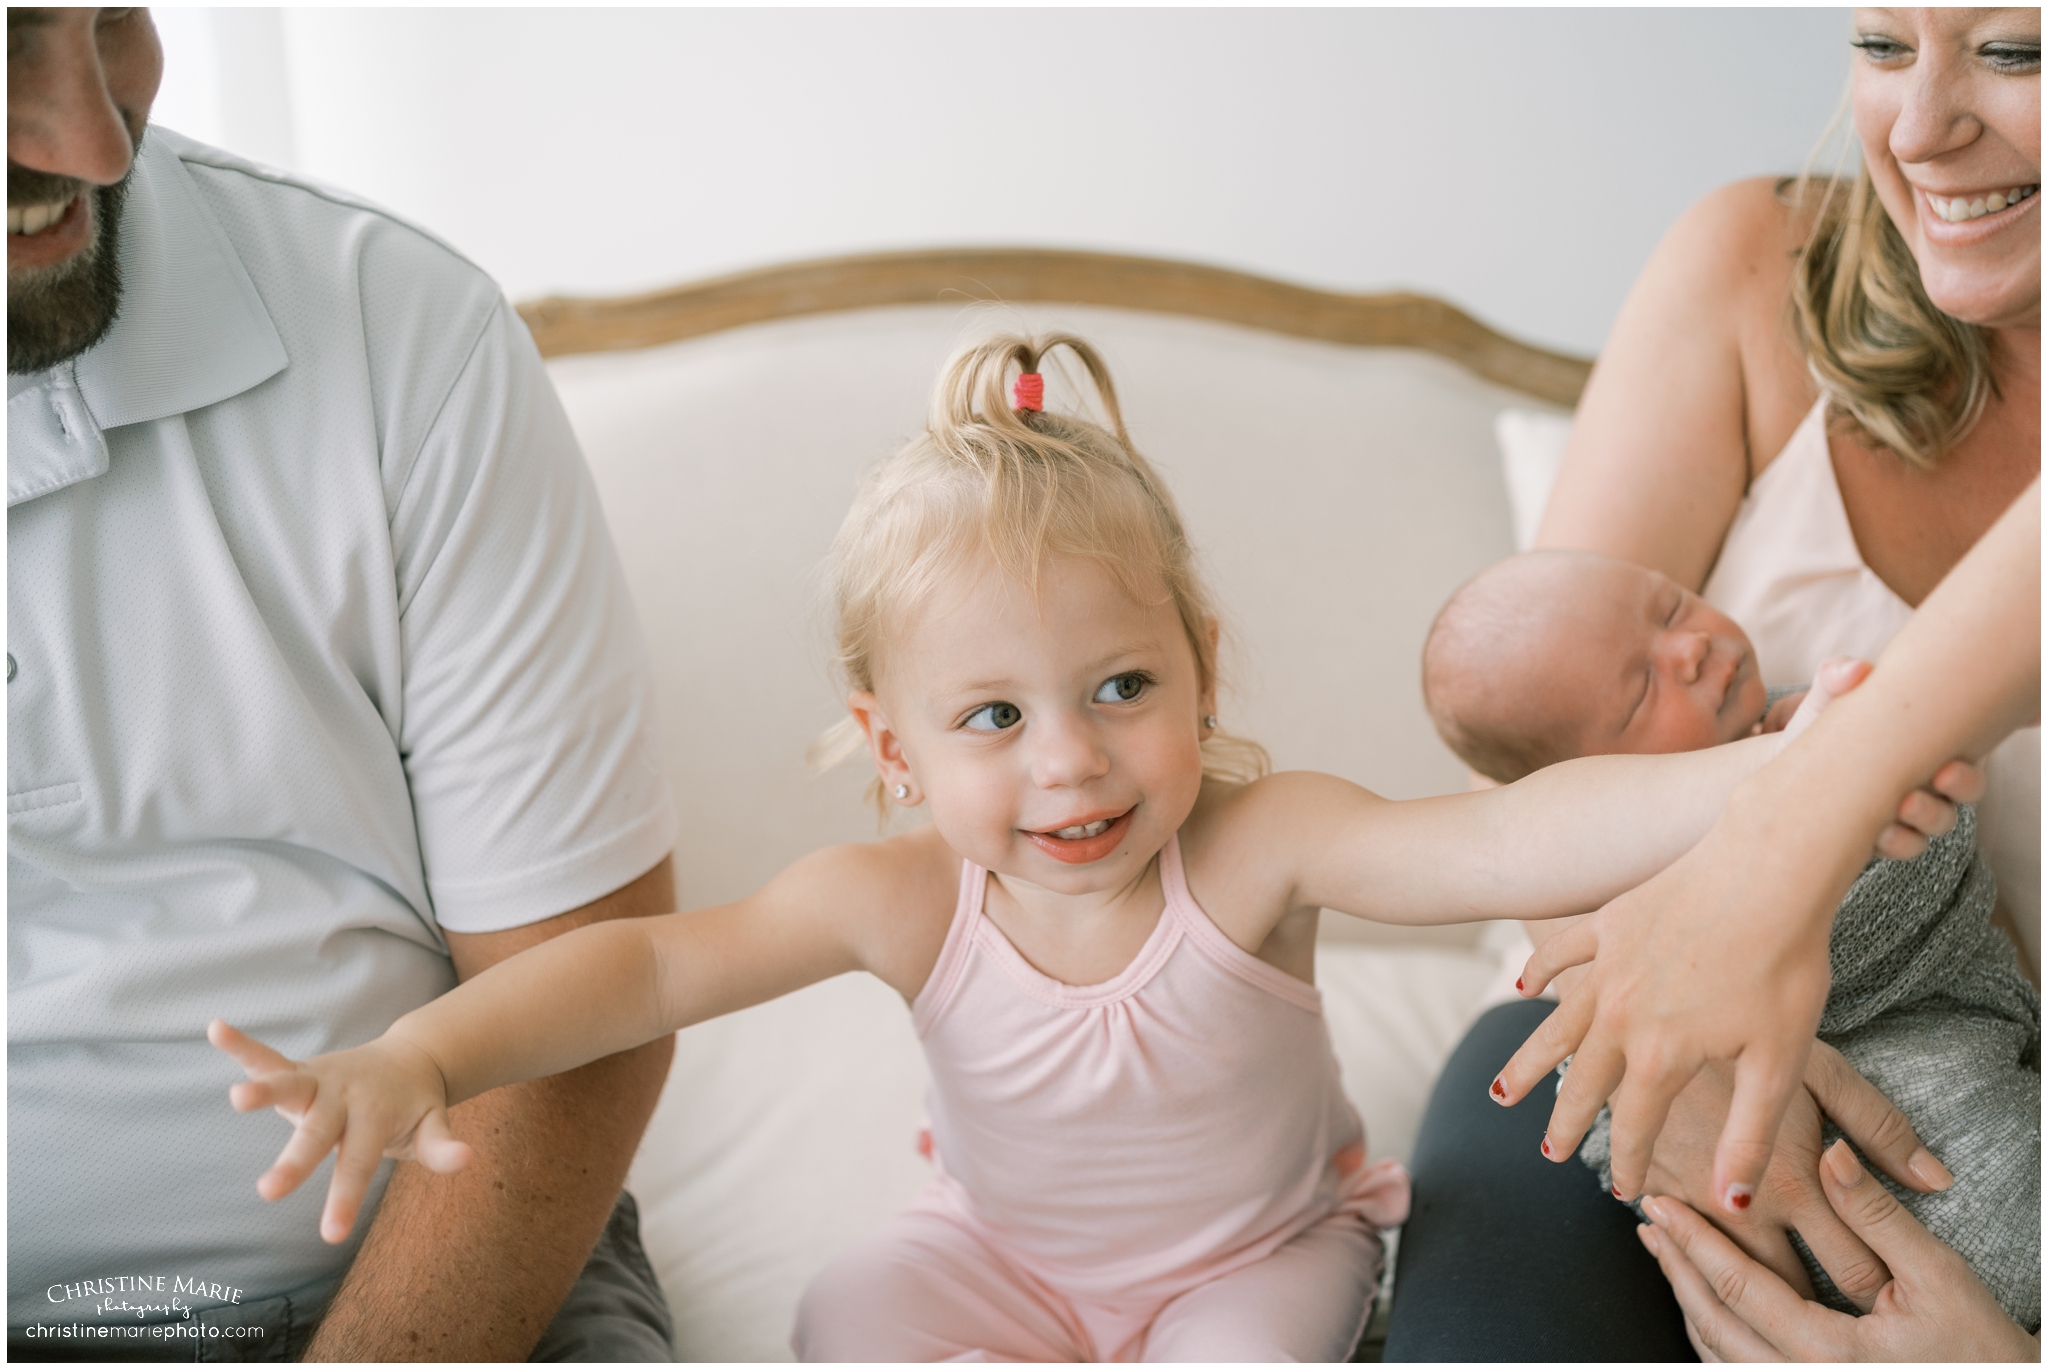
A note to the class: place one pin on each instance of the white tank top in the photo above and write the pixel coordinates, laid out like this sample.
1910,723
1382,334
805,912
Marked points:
1791,575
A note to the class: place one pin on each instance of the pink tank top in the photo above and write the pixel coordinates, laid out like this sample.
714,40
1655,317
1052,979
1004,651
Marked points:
1790,573
1140,1136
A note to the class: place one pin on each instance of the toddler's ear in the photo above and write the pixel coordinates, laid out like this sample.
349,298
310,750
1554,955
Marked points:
883,744
1212,629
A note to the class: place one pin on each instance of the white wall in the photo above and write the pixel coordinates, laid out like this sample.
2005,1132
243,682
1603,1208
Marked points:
1522,163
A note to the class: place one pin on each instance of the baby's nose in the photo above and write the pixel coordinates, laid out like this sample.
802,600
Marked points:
1688,653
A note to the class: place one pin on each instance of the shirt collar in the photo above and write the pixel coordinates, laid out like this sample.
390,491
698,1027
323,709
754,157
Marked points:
192,331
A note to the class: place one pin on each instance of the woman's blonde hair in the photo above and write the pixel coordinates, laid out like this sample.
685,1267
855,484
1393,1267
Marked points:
1016,487
1905,375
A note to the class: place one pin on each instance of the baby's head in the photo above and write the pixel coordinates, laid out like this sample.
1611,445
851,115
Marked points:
1007,514
1552,655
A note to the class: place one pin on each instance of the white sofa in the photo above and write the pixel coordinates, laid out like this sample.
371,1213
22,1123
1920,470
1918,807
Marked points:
1338,494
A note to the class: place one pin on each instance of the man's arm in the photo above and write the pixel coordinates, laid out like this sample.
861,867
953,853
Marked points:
473,1266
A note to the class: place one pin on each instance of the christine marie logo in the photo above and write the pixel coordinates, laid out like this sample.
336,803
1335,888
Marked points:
140,1296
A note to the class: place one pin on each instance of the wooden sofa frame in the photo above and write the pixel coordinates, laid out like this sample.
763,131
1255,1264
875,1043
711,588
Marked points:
562,326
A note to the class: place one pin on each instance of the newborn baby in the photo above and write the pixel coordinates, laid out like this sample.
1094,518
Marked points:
1553,655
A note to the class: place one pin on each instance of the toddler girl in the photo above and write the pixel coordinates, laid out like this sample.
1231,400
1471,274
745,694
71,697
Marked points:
1105,935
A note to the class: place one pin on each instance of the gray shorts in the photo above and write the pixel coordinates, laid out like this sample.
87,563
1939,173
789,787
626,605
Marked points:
614,1312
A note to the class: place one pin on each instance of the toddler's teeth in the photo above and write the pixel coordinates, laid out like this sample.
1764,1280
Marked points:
1095,829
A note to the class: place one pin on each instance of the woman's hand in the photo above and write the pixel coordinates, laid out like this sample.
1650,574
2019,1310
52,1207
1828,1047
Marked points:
1652,1008
1790,1198
385,1098
1723,955
1933,1308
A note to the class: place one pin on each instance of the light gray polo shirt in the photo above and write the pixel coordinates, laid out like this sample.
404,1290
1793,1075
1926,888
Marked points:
317,645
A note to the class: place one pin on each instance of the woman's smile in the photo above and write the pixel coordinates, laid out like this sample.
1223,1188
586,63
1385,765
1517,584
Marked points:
1963,206
1967,218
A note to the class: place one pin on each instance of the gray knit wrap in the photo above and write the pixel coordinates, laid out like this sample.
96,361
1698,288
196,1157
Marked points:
1929,1003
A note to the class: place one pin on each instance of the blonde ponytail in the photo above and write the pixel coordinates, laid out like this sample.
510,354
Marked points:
1015,486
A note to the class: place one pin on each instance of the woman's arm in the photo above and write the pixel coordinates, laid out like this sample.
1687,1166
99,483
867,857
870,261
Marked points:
1724,955
1699,371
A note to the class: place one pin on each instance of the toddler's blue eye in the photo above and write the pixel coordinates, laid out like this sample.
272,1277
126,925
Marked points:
993,718
1122,689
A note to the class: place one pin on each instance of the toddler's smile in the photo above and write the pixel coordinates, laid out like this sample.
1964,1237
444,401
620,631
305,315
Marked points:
1082,842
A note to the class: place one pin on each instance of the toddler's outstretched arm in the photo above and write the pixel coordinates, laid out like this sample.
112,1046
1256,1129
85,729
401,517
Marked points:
1562,841
383,1099
573,999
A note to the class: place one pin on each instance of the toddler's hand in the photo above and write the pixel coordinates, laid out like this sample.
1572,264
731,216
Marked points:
1781,713
385,1098
1925,813
1836,677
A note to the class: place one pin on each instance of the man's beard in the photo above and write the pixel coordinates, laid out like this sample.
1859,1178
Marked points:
56,312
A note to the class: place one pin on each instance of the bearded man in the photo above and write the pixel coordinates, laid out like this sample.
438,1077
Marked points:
324,692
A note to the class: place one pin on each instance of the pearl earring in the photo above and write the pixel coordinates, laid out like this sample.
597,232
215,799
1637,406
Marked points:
1209,722
903,791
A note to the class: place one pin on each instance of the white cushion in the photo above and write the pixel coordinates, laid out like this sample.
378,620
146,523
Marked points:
1532,444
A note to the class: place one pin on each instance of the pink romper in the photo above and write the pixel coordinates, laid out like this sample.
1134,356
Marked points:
1162,1166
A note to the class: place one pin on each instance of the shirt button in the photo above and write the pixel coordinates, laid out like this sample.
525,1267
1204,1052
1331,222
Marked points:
10,668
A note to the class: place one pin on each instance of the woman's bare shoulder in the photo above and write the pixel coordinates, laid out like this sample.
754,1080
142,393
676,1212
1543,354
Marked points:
1699,385
1738,244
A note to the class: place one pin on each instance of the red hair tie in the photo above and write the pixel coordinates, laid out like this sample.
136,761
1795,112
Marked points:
1029,392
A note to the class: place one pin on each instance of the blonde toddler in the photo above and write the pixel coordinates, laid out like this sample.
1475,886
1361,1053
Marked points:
1105,935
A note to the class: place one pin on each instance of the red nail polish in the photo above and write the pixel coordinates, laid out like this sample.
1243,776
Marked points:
1518,985
1497,1090
1546,1146
1739,1199
1615,1190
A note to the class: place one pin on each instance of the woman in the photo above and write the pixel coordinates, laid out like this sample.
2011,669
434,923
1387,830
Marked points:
1816,401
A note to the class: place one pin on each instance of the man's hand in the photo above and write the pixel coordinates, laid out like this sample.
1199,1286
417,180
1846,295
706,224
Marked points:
1932,1308
385,1098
